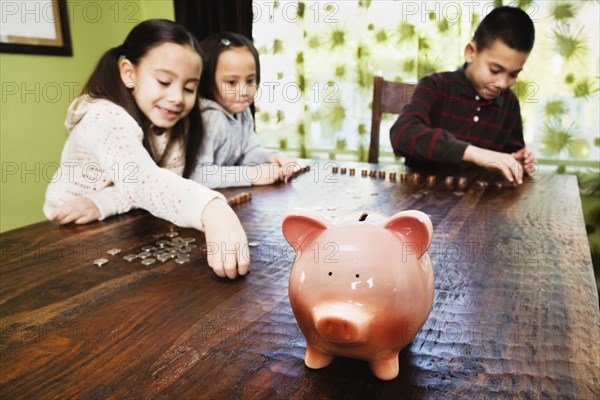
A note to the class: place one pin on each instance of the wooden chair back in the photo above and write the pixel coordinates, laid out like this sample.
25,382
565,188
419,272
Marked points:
388,97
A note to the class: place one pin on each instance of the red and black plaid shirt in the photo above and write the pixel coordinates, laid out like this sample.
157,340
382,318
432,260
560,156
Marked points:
445,115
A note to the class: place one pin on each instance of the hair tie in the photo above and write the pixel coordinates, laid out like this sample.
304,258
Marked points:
225,42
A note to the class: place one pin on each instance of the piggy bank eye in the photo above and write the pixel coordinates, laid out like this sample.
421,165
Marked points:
357,275
330,273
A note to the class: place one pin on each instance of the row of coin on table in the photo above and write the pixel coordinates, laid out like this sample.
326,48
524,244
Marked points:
415,177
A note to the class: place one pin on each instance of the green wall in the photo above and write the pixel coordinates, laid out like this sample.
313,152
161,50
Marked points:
36,91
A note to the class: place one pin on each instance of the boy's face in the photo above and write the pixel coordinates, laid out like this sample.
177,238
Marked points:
493,69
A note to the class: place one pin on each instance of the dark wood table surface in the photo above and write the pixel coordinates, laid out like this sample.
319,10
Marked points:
515,313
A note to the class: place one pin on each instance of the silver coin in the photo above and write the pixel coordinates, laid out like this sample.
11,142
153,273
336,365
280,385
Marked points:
144,254
185,249
148,261
148,248
100,262
158,235
163,243
179,260
171,234
130,257
189,240
254,244
114,251
459,193
164,257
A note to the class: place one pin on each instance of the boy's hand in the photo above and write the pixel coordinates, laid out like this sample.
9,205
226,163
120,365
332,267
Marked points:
80,210
227,246
288,165
505,163
265,174
526,158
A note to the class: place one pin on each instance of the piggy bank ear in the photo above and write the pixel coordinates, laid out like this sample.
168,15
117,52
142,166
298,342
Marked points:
300,224
415,227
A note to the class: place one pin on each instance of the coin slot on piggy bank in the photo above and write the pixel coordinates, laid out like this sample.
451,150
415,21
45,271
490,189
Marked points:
369,296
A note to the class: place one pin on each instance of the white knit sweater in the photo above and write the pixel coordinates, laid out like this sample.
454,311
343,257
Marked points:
104,159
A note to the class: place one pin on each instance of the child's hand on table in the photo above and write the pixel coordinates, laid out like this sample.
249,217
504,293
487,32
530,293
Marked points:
510,167
80,211
526,159
287,164
265,174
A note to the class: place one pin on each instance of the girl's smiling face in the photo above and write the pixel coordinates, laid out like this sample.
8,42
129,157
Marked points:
164,83
494,68
235,79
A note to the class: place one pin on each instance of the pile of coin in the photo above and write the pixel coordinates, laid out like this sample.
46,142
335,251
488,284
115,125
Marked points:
170,246
300,169
239,198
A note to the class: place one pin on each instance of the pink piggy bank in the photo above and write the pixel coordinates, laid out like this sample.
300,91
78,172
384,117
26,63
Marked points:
361,288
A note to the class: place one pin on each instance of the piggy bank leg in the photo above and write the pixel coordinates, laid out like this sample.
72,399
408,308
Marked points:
315,358
385,368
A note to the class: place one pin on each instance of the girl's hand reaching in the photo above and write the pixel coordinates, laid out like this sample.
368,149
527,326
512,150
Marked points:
264,174
228,253
80,211
288,165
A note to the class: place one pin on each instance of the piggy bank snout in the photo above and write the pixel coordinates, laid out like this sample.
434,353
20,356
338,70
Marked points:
341,324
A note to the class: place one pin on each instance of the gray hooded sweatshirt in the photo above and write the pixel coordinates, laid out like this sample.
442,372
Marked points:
229,147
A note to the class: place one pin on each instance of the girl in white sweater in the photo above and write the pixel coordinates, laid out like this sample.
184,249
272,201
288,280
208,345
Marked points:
130,145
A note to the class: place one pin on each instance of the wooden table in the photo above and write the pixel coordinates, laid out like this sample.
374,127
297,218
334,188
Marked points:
515,313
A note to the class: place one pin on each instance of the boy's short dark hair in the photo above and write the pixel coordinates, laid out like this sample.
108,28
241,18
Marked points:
511,25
